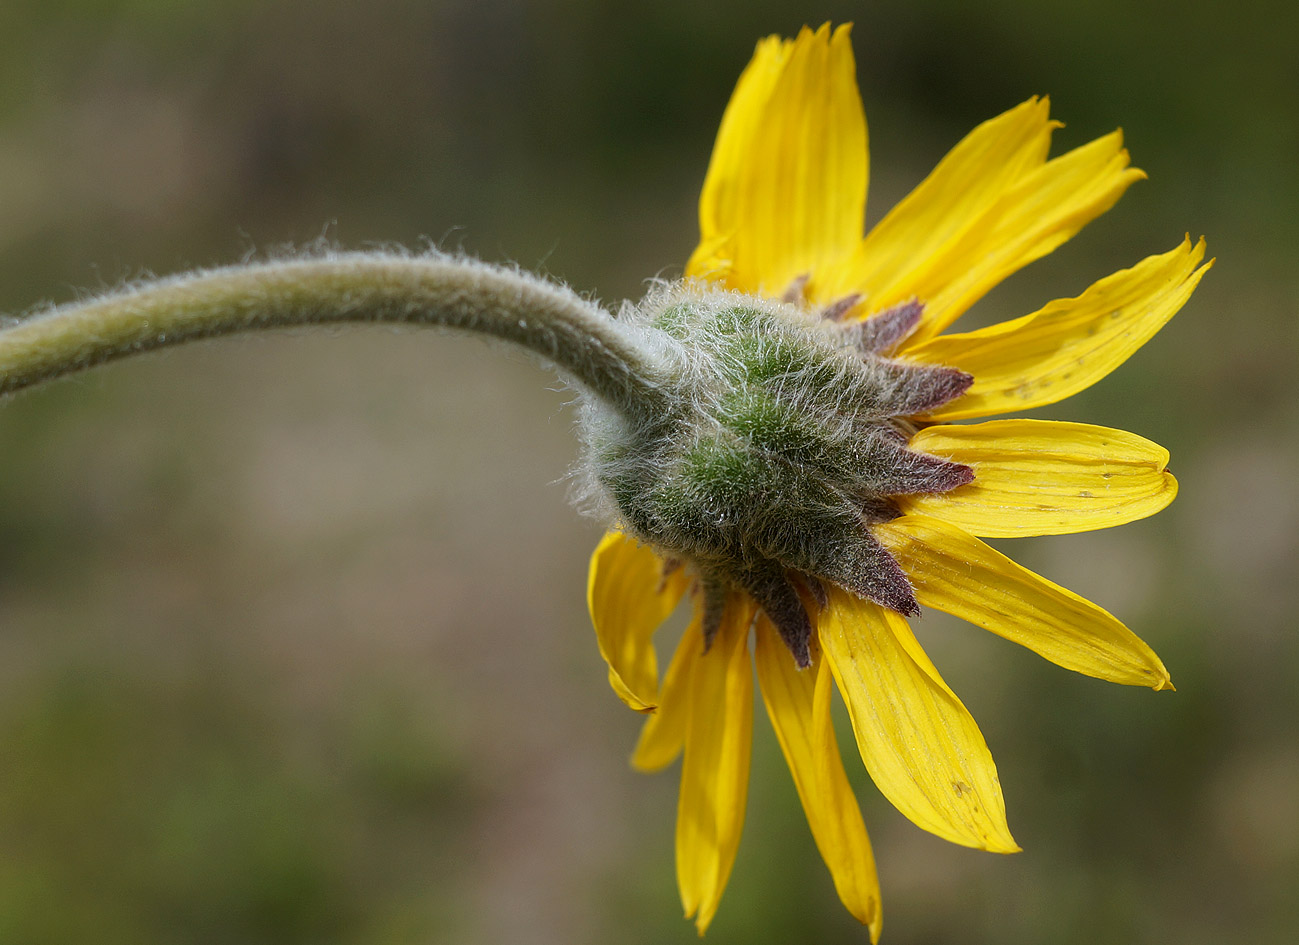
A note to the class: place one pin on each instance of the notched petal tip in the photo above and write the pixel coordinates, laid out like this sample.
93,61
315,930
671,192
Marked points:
1068,344
956,573
1045,477
1161,679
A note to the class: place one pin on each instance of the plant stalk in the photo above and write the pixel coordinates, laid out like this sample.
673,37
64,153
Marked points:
576,335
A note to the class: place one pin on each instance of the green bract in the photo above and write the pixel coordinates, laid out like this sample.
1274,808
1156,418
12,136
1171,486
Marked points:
782,439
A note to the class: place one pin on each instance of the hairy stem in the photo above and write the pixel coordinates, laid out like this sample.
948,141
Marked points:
576,335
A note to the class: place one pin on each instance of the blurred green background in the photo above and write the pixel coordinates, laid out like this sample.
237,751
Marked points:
293,644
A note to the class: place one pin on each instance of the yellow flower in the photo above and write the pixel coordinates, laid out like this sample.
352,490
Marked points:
781,215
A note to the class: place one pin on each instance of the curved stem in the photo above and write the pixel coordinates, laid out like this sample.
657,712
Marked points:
576,335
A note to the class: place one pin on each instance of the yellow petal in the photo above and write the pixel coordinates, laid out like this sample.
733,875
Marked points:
786,187
932,221
715,772
629,597
1045,208
1071,343
798,703
920,745
955,572
1043,477
664,733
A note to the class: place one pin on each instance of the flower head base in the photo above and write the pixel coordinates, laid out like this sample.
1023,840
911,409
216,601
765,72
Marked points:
785,442
806,469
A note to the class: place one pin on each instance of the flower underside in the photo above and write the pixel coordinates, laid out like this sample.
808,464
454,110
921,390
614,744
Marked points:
785,444
807,460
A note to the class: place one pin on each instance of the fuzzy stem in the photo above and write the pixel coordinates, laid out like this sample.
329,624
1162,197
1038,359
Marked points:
576,335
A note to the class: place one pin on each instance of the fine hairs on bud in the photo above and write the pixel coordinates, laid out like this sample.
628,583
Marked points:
779,440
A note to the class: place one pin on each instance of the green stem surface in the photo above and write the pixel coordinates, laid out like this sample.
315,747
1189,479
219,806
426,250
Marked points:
576,335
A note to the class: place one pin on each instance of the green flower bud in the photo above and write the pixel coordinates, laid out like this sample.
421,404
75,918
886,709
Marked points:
780,440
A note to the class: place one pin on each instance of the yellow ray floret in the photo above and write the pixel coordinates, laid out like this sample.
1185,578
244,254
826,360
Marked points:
955,572
664,733
786,188
1069,344
1044,209
715,770
934,220
627,605
919,743
798,703
1044,477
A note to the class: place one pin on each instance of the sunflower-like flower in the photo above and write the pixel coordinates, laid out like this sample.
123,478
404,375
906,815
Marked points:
816,493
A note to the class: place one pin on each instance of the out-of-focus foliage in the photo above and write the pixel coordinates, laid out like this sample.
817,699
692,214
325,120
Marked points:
292,639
